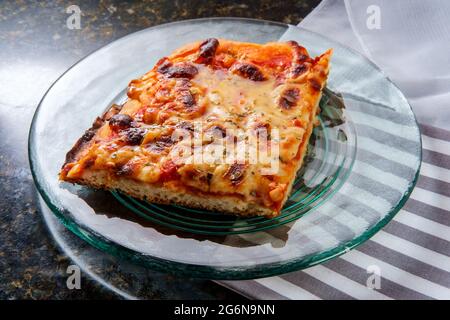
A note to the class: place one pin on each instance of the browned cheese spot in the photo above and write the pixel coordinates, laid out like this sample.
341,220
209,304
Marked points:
120,121
248,71
207,51
289,98
134,136
160,144
184,95
235,173
124,170
178,70
315,85
298,70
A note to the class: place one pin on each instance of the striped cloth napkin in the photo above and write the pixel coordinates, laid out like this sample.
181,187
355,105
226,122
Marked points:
410,41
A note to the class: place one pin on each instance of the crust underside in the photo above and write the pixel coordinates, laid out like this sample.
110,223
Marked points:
101,179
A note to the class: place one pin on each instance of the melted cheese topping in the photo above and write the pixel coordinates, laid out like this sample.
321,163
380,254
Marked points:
220,101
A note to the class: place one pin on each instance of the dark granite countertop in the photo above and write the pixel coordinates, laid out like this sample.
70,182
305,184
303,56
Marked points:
37,47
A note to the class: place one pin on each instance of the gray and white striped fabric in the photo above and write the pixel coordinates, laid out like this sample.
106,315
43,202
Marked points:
412,252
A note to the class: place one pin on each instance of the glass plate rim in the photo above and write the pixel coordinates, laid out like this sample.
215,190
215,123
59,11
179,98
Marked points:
202,271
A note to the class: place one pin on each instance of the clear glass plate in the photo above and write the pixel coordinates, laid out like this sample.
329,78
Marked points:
362,163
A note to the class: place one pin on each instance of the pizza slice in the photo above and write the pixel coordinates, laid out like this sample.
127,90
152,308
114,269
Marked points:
219,125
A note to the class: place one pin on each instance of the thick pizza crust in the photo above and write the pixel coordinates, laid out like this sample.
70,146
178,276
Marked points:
100,179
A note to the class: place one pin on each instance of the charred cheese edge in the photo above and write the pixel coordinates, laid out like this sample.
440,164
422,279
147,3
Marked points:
218,86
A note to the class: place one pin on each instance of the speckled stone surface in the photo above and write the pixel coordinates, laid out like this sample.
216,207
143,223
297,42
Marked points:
37,47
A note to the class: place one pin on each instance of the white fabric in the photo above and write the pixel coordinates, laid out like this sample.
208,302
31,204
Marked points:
412,46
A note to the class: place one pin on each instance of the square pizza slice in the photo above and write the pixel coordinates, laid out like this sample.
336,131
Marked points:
219,125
